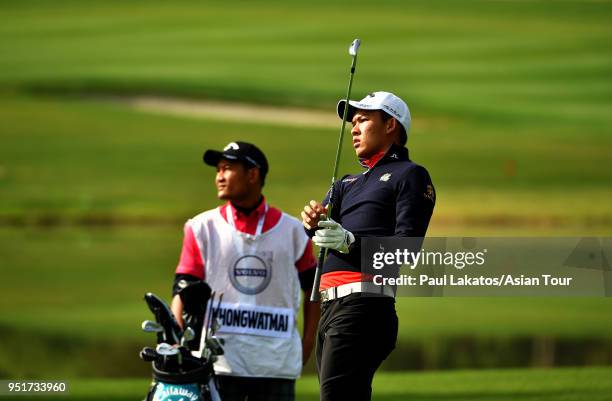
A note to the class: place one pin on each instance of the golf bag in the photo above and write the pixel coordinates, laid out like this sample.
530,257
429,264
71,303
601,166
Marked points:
194,382
182,369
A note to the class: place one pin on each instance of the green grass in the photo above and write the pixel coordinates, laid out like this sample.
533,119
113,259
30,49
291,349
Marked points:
510,102
588,384
89,284
68,160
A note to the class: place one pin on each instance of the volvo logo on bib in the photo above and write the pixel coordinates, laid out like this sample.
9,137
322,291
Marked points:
256,320
251,274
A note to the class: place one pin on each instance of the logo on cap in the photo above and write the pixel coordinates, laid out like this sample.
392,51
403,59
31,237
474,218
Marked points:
392,110
231,145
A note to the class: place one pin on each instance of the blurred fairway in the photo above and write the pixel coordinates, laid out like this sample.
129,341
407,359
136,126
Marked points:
527,61
69,161
511,115
588,384
510,102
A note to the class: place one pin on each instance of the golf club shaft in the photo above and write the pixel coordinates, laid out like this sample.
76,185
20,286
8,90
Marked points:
315,296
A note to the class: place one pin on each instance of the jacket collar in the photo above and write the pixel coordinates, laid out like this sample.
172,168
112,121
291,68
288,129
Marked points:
371,161
393,154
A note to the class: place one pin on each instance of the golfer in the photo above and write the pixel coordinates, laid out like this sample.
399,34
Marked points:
259,258
393,197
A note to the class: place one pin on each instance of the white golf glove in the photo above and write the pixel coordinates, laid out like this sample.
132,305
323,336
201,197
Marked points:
333,236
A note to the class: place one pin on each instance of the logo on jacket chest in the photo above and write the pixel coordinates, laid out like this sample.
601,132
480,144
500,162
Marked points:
385,177
251,274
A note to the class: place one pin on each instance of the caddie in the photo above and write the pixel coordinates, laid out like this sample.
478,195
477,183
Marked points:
392,197
261,260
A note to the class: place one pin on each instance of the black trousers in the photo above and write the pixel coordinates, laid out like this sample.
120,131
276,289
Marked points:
356,333
235,388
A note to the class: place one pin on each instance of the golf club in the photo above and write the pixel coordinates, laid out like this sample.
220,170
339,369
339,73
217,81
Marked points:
166,350
176,365
188,335
214,324
148,354
315,296
149,326
209,314
195,296
172,331
215,345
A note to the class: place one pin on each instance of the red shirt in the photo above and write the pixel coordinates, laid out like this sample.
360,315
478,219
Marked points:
334,279
191,259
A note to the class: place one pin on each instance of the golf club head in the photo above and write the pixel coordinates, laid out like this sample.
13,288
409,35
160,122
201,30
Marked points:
171,330
188,335
214,344
166,349
149,326
215,326
148,354
354,47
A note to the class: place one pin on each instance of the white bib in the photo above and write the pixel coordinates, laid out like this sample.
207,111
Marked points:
261,293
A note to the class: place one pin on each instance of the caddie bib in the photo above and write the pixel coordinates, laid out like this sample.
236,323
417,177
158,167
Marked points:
261,293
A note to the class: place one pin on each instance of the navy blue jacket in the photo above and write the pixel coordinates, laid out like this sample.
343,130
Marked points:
394,198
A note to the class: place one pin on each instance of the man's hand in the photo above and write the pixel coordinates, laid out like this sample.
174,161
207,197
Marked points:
333,236
312,214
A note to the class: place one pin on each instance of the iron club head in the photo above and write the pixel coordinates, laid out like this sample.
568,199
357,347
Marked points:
188,335
150,326
148,354
354,47
166,349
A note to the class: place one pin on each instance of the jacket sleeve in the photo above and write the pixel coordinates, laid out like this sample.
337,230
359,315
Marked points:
414,204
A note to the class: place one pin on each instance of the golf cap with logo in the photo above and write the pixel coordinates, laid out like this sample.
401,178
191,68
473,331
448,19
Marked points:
241,151
385,101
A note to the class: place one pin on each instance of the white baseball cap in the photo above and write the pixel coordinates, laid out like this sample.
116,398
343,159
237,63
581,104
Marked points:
385,101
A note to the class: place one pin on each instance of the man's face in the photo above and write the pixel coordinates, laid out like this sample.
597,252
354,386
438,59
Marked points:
368,133
233,180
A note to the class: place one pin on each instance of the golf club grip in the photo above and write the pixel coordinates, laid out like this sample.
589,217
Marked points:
315,295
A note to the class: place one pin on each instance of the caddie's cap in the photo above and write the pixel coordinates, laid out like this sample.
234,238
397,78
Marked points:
242,151
385,101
